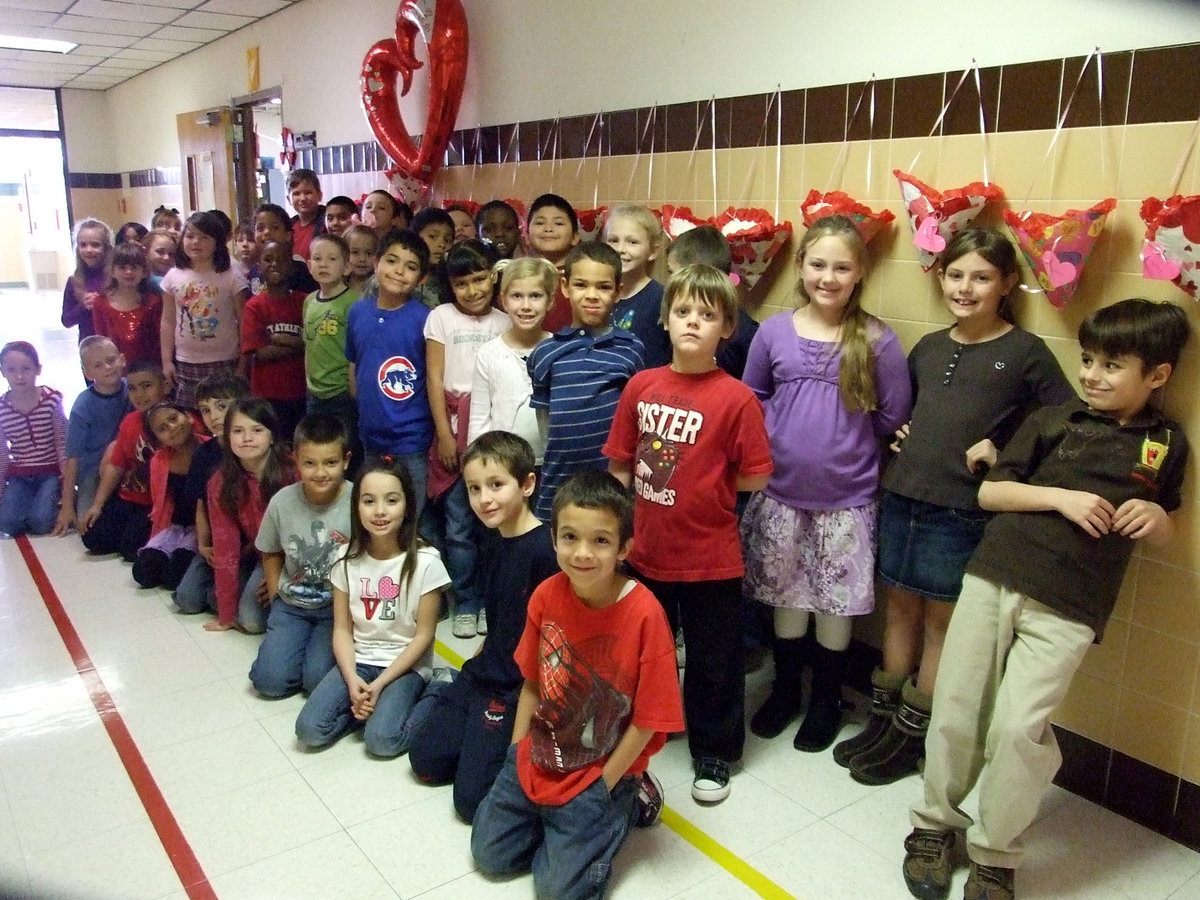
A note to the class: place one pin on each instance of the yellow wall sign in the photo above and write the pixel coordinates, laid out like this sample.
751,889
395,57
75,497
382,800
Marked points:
251,70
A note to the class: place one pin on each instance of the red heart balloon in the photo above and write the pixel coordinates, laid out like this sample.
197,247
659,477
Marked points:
442,24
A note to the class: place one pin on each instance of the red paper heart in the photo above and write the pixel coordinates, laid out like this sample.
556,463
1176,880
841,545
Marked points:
388,589
442,24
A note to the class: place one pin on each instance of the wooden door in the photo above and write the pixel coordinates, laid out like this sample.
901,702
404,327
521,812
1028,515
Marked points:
206,160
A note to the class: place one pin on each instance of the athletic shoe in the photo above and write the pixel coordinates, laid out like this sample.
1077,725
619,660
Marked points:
927,863
989,883
649,800
465,625
711,784
481,622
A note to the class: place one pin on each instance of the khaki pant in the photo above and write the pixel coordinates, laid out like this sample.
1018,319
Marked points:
1006,666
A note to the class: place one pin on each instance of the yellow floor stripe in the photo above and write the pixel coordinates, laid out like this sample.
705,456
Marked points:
721,855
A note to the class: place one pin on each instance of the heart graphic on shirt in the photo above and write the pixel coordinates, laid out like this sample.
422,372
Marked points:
388,589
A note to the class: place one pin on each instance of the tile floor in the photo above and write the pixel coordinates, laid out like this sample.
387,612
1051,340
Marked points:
267,819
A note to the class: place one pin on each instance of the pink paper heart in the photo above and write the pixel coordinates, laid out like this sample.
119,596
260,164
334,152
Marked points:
1157,265
388,589
1058,271
927,237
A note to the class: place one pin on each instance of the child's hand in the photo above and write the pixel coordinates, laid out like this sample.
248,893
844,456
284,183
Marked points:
1090,512
901,434
1139,519
66,518
218,625
88,519
168,371
981,454
361,702
263,594
89,299
206,552
448,452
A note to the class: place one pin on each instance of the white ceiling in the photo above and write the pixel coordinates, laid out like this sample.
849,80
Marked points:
117,40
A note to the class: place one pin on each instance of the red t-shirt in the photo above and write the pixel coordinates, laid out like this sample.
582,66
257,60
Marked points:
302,236
597,672
688,438
267,315
131,451
559,316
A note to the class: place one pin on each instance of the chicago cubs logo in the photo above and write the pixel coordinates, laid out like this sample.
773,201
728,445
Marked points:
397,377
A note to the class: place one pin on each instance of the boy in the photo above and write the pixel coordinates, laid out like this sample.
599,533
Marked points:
599,697
196,592
304,193
705,244
324,314
476,710
362,243
1076,486
339,215
497,222
95,417
688,437
553,231
271,223
121,523
435,227
271,343
245,246
385,346
578,374
302,532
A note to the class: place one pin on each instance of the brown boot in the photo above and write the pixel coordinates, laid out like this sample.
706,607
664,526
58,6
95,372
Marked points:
885,700
900,751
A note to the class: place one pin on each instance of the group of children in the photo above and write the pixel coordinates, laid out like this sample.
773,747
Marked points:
611,449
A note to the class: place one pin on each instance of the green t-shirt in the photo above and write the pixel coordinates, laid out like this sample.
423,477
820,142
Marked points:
325,368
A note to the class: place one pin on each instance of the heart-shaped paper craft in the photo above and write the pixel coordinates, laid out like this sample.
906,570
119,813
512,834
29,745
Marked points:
1156,265
388,589
953,210
927,237
754,240
591,223
1174,226
1057,247
442,24
836,203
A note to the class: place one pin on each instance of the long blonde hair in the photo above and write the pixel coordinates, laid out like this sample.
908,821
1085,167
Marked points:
856,371
79,276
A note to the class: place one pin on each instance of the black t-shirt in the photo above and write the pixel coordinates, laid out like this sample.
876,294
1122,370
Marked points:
510,568
205,461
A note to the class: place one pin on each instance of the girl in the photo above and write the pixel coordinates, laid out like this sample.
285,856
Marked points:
167,219
635,233
33,441
93,251
160,246
464,225
172,545
363,242
386,597
203,299
975,382
254,466
500,387
833,383
454,332
131,231
379,211
129,313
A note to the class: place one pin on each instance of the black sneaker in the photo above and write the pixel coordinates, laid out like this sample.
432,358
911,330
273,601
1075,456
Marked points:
989,883
927,863
711,784
649,800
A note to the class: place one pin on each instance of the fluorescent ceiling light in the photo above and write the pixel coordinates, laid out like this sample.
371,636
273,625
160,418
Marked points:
10,42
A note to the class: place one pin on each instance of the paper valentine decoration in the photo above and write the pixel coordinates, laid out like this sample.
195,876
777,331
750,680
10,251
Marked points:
754,239
951,211
678,219
470,206
1172,250
591,223
836,203
442,25
1057,247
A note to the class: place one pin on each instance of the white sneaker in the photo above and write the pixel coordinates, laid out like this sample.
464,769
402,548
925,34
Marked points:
481,622
465,625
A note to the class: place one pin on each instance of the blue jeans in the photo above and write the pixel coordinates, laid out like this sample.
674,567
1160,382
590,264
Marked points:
457,539
30,504
296,652
326,715
197,593
570,848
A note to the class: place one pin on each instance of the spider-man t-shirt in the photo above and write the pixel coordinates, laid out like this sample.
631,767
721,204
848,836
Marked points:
597,671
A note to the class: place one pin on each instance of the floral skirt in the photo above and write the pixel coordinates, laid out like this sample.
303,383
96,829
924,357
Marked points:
812,559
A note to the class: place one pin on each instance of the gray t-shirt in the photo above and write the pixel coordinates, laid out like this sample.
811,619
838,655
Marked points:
310,537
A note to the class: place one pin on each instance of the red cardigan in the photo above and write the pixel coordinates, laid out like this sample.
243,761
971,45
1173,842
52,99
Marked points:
162,504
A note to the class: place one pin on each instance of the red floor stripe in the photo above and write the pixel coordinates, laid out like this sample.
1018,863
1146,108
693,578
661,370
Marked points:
192,876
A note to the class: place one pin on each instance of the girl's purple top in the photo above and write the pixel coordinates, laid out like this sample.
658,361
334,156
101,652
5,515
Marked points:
825,457
74,312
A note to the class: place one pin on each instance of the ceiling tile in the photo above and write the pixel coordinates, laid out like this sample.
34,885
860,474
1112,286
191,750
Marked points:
84,37
29,79
175,48
176,33
147,56
257,8
45,5
216,21
10,17
106,26
128,12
